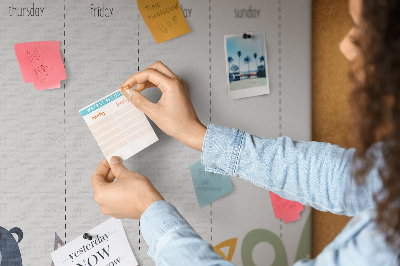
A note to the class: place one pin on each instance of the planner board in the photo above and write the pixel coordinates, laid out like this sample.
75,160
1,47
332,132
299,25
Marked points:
49,154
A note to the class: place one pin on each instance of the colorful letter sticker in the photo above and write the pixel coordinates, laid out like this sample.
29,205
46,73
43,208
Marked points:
284,209
209,186
41,63
164,18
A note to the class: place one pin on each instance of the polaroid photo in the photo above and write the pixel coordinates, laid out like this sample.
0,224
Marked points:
246,65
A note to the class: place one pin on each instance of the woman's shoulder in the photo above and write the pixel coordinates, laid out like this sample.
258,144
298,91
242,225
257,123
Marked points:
362,240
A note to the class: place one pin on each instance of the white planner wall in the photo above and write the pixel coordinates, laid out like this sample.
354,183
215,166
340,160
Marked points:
48,154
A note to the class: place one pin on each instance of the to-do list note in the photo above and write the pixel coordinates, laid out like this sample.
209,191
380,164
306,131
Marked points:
118,126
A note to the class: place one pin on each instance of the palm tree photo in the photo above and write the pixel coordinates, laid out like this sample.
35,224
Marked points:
230,60
255,60
247,60
239,53
262,59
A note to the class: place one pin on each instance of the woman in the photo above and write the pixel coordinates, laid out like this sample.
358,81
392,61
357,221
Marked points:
362,182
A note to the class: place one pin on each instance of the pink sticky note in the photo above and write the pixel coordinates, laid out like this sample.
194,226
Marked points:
41,63
284,209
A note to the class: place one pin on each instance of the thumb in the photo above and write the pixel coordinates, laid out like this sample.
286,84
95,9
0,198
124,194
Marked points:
117,167
139,101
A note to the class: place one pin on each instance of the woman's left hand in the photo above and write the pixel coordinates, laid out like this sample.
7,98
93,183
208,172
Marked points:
127,197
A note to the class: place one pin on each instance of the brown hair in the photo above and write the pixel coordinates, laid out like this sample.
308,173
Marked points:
375,102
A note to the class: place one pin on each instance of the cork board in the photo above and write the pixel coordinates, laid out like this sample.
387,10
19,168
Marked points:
331,88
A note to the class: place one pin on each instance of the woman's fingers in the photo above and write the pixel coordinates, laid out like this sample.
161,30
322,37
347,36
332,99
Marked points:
100,174
157,66
159,80
142,86
141,102
110,177
174,113
160,67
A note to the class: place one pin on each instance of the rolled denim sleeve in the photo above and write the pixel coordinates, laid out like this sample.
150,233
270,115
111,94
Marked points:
172,241
312,173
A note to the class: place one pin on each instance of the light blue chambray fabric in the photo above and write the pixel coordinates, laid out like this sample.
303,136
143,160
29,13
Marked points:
312,173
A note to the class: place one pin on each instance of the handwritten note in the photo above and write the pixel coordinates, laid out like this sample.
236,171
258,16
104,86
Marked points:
164,18
118,126
109,246
41,63
288,211
209,186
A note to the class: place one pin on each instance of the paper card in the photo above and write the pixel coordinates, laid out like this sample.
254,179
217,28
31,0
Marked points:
41,63
288,211
246,65
109,246
164,18
209,186
118,126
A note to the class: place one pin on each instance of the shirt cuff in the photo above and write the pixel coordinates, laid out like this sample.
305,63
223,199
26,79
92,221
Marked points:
222,148
158,219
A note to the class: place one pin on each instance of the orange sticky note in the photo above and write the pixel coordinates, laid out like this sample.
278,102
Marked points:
164,18
287,210
41,63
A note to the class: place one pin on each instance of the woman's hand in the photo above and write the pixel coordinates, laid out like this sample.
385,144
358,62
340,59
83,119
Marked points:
127,197
174,112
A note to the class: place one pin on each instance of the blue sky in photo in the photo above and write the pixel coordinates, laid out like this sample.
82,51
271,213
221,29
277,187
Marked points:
248,47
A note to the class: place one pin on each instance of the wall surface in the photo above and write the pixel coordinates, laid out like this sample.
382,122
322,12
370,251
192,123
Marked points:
331,88
49,154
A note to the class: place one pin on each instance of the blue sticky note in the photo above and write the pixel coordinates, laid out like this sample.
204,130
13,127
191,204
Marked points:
209,186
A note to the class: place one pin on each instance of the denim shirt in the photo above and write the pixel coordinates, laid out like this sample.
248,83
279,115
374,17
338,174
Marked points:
312,173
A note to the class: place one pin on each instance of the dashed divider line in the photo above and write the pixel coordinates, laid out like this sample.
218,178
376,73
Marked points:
209,59
138,69
65,149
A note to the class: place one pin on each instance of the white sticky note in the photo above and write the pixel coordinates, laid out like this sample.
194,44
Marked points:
109,246
118,126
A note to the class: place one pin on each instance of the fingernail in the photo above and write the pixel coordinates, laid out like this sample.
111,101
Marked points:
115,160
128,94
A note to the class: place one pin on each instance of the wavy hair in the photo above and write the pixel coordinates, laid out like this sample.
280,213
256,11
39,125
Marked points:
375,102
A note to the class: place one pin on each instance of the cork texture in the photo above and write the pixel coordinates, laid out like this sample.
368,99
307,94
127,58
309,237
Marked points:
331,89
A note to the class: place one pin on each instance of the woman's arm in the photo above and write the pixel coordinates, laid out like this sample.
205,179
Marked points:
173,241
312,173
315,174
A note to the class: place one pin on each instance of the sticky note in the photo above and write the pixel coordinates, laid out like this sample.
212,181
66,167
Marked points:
288,211
209,186
164,18
118,126
109,246
41,63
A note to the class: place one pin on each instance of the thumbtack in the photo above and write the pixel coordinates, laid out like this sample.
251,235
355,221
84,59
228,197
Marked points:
125,88
246,36
87,236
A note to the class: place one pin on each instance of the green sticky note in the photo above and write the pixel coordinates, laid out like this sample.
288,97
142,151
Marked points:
209,186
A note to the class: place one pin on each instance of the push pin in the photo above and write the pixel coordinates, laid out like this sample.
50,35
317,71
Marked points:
87,236
246,36
125,88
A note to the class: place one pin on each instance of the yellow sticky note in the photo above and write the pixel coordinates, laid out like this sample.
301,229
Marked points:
164,18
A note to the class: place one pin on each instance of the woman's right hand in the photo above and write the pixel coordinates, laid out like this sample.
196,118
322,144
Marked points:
174,112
